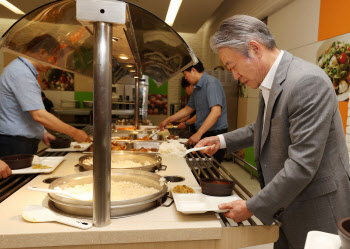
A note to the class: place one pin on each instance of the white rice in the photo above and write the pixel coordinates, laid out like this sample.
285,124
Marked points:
173,148
122,190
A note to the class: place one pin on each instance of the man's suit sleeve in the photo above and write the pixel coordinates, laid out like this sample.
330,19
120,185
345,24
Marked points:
240,138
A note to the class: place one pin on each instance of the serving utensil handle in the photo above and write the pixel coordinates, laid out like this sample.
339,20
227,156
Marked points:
46,190
195,149
52,191
73,222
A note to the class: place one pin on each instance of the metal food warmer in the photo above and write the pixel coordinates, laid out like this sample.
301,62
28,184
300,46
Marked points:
103,40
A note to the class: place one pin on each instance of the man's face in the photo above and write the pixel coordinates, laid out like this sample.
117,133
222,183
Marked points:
189,90
190,77
44,56
246,69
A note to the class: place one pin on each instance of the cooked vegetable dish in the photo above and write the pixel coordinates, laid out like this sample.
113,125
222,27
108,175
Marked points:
335,62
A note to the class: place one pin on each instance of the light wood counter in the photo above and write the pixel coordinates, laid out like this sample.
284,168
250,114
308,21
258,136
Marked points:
162,227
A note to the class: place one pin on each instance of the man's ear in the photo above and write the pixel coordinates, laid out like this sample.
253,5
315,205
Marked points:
255,48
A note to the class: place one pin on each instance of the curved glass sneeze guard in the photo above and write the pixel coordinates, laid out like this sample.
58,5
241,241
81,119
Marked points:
152,48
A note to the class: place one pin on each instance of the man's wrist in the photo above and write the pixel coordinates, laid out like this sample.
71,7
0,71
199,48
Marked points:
186,123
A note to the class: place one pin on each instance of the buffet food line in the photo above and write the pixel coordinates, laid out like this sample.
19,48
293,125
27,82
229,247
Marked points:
189,223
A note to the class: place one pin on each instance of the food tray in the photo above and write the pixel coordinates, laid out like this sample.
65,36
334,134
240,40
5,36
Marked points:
83,146
117,136
198,203
52,162
145,144
143,134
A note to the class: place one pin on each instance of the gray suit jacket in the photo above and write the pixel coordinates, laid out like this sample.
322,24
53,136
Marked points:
301,154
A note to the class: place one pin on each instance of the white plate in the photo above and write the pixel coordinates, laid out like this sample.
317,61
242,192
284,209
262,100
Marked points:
343,96
183,140
198,203
83,146
322,240
177,139
52,162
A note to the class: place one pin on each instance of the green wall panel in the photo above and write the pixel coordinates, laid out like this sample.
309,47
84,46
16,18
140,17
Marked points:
83,96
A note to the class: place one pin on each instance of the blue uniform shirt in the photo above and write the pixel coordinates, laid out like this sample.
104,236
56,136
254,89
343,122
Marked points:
208,92
20,93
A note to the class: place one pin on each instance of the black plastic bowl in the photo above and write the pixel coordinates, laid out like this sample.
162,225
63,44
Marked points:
19,161
60,143
343,226
217,187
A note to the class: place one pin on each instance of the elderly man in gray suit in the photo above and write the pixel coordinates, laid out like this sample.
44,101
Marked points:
298,138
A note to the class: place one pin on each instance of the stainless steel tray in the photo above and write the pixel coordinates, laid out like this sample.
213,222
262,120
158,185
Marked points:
140,135
119,136
155,161
145,144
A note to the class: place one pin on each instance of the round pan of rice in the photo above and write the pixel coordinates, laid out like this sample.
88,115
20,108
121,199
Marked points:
132,191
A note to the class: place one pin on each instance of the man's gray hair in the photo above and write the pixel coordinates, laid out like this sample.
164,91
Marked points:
237,31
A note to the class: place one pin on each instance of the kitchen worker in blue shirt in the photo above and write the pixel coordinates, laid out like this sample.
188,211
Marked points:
209,101
22,112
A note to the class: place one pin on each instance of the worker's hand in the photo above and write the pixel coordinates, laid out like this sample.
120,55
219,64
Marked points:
182,125
238,210
5,170
48,138
163,124
213,144
194,139
80,136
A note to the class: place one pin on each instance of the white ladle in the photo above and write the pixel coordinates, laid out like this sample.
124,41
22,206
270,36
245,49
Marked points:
35,213
86,197
195,149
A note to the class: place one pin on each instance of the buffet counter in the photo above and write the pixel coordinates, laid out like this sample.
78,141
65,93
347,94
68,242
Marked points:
162,226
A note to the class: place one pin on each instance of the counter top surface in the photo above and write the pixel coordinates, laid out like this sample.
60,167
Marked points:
159,224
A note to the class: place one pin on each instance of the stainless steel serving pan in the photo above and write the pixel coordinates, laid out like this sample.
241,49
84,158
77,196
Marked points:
140,135
145,144
117,136
155,161
118,208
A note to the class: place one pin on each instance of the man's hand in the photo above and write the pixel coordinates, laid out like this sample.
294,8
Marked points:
213,144
5,170
48,138
238,210
182,125
163,124
80,136
194,139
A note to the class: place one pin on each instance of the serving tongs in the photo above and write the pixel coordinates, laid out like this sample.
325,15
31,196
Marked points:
154,133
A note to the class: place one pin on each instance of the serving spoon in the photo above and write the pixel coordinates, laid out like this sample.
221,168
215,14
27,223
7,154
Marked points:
86,197
35,213
194,149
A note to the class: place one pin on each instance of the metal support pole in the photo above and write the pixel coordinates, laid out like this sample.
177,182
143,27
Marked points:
102,117
137,93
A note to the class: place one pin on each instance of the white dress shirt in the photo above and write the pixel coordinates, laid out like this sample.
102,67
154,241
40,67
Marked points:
265,88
